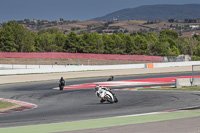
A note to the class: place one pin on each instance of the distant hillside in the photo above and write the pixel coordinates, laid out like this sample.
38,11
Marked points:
185,27
154,12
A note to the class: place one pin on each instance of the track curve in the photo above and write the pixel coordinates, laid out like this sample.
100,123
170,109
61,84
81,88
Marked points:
70,105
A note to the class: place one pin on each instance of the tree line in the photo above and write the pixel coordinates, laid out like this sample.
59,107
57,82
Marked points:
185,20
15,38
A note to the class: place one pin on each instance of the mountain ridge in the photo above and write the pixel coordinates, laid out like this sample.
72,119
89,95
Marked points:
154,12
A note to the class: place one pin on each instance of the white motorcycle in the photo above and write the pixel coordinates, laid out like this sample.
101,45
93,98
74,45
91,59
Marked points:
106,95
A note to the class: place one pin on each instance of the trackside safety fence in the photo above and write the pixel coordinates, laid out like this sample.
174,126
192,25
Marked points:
60,58
81,56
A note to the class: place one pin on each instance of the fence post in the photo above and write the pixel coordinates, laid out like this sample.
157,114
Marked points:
79,62
39,63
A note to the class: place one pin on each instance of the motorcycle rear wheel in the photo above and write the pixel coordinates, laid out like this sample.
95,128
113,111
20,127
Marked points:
116,100
61,88
109,99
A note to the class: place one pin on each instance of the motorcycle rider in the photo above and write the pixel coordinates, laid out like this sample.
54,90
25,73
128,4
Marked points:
61,83
99,90
110,78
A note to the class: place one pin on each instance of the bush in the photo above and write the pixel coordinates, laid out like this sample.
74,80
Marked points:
195,58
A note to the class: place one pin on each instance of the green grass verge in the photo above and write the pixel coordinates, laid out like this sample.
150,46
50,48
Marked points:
5,105
100,123
188,88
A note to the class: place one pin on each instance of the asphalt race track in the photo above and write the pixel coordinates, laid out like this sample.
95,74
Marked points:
81,104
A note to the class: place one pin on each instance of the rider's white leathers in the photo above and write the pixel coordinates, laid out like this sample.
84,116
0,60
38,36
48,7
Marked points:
100,92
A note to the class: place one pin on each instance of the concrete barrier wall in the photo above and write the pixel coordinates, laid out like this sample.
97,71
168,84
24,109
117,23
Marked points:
179,83
196,82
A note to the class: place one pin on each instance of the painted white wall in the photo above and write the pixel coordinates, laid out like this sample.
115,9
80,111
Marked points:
176,64
25,69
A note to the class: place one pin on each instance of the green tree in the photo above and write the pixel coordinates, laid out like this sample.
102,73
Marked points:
61,19
92,43
7,39
141,45
72,44
197,51
19,33
27,21
170,33
46,42
174,51
53,30
152,39
86,47
41,31
23,38
98,45
60,40
187,45
161,49
108,43
130,45
28,43
197,37
13,35
119,47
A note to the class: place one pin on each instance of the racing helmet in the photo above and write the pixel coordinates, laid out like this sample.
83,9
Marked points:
97,87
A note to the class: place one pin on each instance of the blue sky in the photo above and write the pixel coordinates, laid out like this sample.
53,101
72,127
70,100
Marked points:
71,9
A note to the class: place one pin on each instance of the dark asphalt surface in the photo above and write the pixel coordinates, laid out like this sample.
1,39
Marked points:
70,105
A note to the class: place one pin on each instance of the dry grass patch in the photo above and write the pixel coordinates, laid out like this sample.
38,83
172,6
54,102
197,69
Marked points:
4,105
